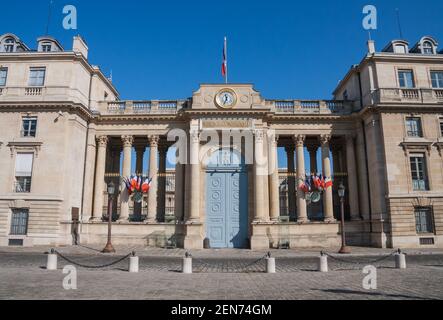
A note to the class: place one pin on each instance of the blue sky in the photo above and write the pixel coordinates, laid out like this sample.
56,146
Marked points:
165,49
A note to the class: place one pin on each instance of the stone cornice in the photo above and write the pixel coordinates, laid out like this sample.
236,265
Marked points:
49,106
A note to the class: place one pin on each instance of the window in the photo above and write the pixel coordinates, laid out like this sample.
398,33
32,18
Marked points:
413,127
3,76
423,220
399,49
37,77
46,47
9,45
418,172
437,79
345,95
23,172
29,127
19,222
406,78
428,48
441,127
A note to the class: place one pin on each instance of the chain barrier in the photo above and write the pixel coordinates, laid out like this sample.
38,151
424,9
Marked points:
359,263
93,267
203,266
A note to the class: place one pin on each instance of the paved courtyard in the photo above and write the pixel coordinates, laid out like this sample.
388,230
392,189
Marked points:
220,275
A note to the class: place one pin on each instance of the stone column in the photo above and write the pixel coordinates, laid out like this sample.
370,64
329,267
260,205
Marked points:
352,178
88,187
139,151
99,186
179,192
194,203
126,172
327,198
302,212
312,149
291,182
362,176
163,150
260,173
153,174
274,187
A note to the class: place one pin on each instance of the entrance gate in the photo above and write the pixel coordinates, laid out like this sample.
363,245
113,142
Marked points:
226,200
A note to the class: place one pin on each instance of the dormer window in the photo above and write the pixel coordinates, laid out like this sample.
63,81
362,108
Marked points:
9,45
428,48
399,49
46,47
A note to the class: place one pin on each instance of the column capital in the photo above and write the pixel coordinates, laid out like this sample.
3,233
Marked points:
290,149
259,135
312,147
102,141
273,138
153,140
127,141
325,139
299,140
195,136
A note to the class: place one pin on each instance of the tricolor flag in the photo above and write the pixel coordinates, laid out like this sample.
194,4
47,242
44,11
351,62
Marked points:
225,61
146,185
328,183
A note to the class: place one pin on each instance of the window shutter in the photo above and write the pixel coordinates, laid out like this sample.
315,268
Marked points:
23,164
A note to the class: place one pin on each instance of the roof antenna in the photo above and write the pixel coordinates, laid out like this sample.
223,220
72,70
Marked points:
399,23
110,77
49,16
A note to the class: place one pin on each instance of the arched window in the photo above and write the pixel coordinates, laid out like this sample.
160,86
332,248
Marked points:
428,48
9,45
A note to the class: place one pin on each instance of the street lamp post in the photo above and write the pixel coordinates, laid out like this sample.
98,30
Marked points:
341,193
109,248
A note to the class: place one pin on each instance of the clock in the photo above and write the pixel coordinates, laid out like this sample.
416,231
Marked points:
226,99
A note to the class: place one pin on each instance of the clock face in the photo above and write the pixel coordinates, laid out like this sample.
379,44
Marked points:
226,98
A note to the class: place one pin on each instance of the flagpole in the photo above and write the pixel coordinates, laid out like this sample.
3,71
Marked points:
226,62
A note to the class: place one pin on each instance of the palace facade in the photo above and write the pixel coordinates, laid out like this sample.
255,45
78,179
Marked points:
65,136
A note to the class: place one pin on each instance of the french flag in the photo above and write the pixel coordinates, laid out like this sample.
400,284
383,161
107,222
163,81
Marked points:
146,185
225,62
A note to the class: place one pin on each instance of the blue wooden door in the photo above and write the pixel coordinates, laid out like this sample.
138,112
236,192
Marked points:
226,204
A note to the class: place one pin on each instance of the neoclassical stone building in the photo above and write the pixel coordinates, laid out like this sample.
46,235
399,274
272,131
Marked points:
66,136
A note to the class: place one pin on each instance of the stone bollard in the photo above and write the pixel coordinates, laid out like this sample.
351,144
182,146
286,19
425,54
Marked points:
133,263
52,261
270,264
323,263
400,260
187,263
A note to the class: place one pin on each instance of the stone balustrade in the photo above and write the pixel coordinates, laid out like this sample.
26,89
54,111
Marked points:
312,106
408,95
142,107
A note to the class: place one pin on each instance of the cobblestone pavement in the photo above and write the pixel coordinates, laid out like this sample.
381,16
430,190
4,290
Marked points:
23,276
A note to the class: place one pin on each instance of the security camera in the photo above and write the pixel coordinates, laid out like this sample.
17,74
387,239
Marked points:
60,114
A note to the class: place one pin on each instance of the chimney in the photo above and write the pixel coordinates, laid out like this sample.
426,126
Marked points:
371,46
80,46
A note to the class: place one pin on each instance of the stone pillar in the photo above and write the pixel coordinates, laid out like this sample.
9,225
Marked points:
163,150
302,212
291,182
139,151
260,173
362,176
327,198
88,187
179,192
126,172
274,187
194,203
153,174
99,186
312,149
352,178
